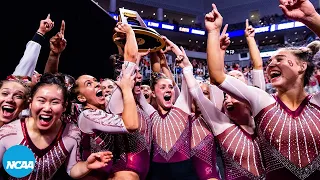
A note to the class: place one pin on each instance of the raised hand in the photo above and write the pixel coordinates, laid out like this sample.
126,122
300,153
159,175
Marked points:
249,31
98,160
127,79
123,28
183,60
224,39
58,43
299,10
141,55
213,20
170,46
45,25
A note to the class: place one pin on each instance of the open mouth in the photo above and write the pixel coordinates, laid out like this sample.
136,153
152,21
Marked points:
8,110
146,96
167,98
275,74
229,107
45,119
137,84
99,93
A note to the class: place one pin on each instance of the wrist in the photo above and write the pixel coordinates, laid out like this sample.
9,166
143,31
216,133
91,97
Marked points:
41,32
214,32
54,54
311,20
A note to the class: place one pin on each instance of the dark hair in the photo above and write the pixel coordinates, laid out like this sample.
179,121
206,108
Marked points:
306,54
51,79
155,77
117,61
69,78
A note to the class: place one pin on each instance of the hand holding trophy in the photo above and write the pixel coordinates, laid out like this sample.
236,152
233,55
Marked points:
147,38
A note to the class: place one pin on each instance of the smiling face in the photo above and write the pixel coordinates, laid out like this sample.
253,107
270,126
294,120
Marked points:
47,106
164,94
138,81
147,92
234,108
90,92
107,86
284,68
12,100
237,74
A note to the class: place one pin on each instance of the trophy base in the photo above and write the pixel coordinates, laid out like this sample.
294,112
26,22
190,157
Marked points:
147,38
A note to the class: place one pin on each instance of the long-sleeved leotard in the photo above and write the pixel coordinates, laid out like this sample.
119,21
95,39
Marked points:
241,153
171,132
289,139
28,62
64,148
98,129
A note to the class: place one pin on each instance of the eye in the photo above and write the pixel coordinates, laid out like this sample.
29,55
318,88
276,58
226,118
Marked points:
55,102
89,84
5,94
19,96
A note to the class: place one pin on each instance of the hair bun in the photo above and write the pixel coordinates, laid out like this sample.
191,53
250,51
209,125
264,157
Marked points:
314,46
49,78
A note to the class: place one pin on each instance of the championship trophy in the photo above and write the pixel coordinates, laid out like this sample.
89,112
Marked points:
147,38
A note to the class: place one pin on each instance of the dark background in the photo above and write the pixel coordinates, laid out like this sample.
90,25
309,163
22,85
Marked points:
89,31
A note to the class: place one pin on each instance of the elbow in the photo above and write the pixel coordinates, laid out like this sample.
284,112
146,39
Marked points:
132,57
217,78
132,128
258,67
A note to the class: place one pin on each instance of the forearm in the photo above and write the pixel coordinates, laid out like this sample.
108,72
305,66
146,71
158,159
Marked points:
52,63
188,74
131,48
29,60
130,115
155,64
215,62
313,23
79,170
167,71
254,53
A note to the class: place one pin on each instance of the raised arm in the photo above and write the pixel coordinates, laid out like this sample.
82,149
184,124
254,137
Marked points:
57,45
28,62
131,46
303,11
257,72
217,120
213,23
256,98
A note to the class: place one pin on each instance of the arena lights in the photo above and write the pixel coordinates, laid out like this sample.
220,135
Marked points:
237,33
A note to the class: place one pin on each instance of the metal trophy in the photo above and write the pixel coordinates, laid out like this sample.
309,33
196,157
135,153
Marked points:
147,38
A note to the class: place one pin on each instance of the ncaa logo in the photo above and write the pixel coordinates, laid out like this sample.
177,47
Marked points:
18,161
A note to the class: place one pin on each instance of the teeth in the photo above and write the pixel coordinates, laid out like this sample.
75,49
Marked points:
44,116
8,107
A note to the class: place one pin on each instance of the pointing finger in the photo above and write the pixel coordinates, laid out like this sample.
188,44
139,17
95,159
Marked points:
63,27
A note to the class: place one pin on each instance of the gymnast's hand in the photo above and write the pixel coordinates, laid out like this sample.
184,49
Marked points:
98,160
299,10
45,25
183,60
224,39
249,31
58,43
213,20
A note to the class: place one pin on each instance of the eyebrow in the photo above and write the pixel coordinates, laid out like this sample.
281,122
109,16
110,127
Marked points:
277,56
86,82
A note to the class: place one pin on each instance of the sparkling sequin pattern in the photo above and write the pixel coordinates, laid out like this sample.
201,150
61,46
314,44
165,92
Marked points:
50,159
241,154
171,136
203,149
290,139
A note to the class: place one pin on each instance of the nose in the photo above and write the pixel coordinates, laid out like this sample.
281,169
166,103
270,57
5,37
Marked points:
138,75
9,99
97,85
47,107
